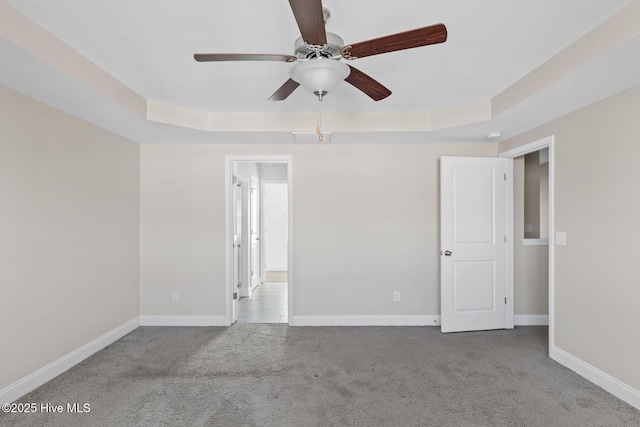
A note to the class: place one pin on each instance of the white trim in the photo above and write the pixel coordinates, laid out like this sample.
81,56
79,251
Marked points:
364,320
182,320
614,386
290,236
549,142
509,266
531,319
66,362
535,242
552,249
228,233
525,149
288,160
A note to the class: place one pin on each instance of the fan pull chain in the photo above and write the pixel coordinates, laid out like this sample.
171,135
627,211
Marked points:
318,125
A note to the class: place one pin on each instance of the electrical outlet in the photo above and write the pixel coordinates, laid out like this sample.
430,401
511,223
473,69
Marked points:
396,296
175,297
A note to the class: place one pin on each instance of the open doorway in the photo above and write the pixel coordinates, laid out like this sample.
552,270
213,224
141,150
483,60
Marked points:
534,231
531,238
259,280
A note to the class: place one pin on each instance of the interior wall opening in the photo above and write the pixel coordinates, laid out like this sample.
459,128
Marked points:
260,249
531,250
534,256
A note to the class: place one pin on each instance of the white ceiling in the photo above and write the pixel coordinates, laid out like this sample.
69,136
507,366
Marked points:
148,45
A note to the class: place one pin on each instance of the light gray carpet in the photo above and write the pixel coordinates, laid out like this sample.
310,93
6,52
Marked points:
275,375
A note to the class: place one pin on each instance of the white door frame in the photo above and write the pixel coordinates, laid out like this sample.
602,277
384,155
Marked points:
538,145
288,159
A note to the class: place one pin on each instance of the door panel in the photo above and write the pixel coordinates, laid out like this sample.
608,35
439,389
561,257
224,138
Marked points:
473,234
474,286
473,198
254,224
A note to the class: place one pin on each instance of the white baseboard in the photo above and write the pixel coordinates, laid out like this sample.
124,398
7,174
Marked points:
53,369
365,321
531,320
418,320
276,268
614,386
179,320
519,320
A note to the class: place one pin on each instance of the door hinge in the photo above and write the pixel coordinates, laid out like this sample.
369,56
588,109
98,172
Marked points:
505,239
235,295
505,300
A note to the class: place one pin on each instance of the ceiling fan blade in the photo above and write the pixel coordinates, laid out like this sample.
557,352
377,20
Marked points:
285,90
310,19
207,57
367,84
407,40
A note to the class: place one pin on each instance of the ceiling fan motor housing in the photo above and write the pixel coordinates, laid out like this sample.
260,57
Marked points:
330,50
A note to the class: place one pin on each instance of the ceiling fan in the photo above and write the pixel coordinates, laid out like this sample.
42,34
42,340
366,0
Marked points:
318,54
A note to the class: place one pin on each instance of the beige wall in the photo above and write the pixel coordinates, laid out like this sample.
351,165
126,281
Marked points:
69,215
532,195
365,218
536,196
597,203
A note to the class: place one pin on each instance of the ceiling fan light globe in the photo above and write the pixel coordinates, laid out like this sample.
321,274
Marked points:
320,74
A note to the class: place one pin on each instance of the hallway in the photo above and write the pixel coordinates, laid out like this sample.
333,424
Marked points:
267,304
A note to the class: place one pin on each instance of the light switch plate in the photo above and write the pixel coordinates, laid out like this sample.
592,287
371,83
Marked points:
561,238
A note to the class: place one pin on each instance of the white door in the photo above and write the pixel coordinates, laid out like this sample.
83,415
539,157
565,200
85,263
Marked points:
236,204
254,238
475,219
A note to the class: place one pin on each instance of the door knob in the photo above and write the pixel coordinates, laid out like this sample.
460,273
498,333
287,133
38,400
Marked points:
447,253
